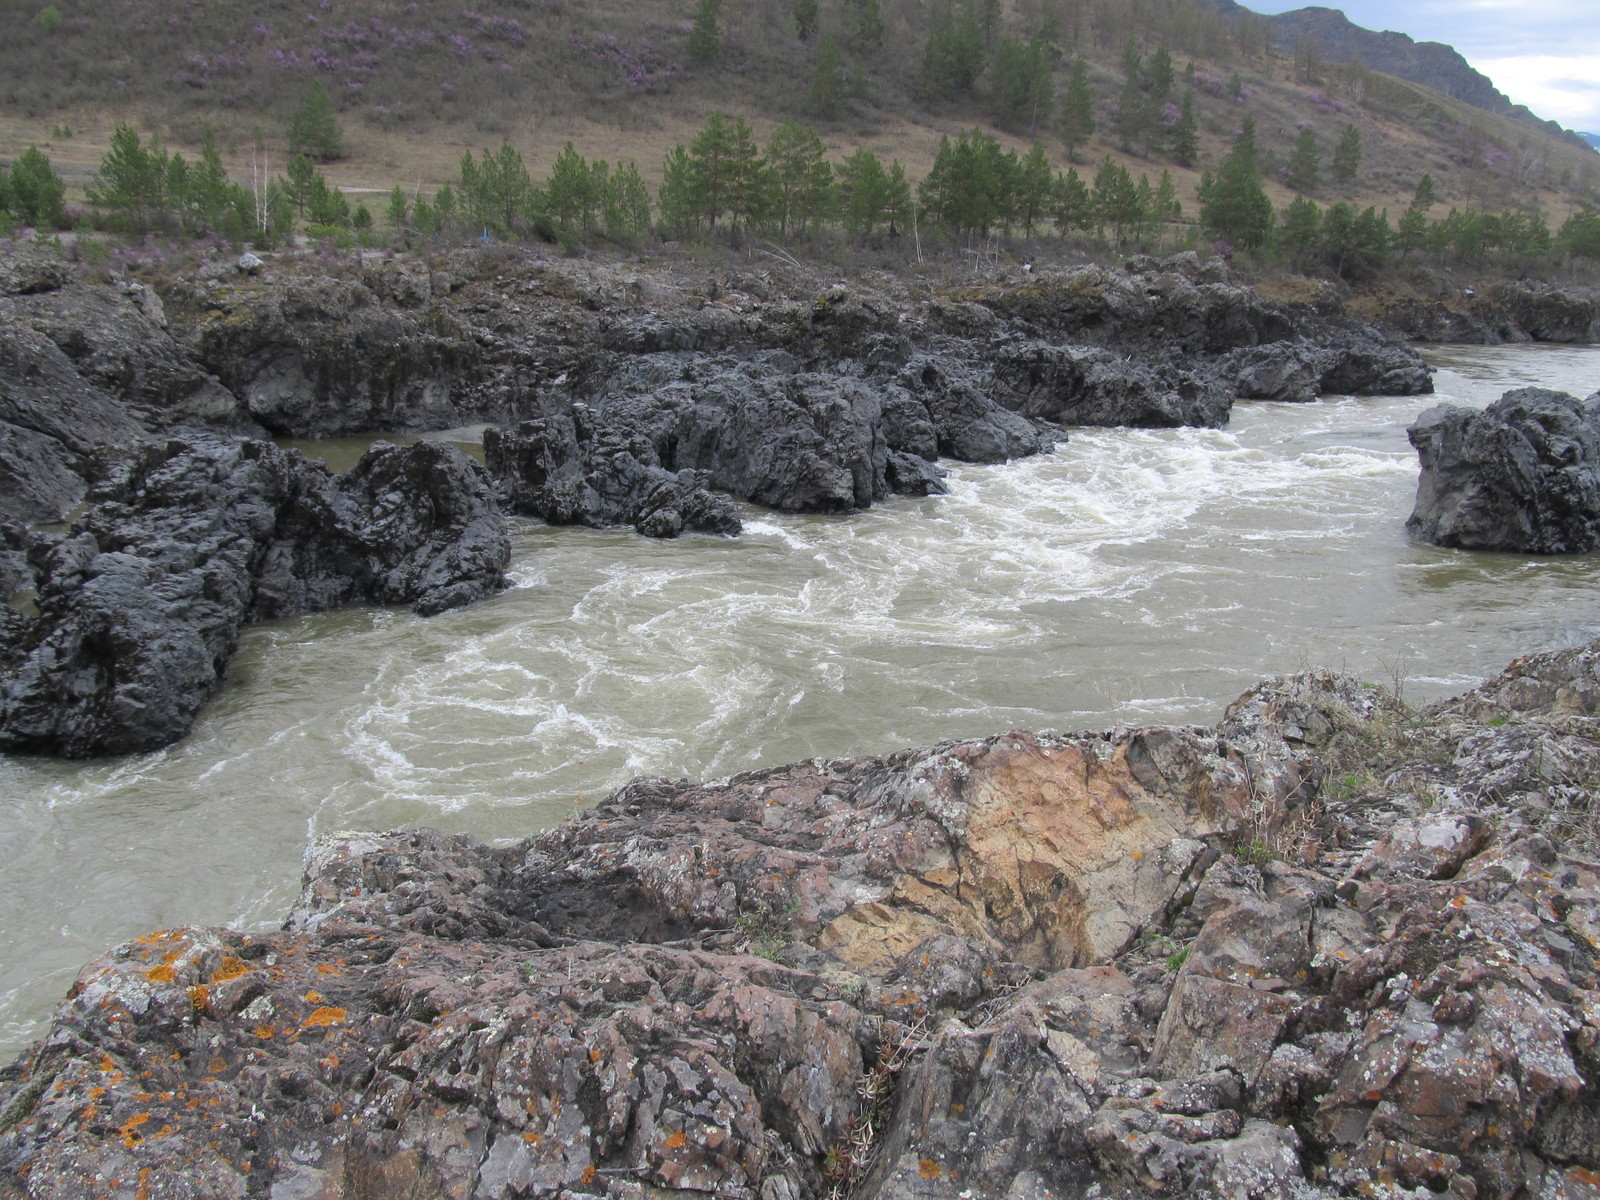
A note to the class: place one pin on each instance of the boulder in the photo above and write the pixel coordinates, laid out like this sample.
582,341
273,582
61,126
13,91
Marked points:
1522,475
140,606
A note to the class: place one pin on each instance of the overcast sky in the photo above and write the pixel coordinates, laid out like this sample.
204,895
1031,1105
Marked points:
1542,53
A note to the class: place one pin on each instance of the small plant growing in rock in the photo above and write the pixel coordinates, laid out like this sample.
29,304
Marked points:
1257,852
767,927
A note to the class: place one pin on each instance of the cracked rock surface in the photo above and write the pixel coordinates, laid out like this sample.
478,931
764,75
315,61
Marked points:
1330,947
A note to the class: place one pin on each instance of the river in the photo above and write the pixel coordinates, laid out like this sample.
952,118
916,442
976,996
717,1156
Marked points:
1132,576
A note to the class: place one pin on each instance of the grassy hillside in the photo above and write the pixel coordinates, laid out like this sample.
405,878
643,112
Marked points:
419,81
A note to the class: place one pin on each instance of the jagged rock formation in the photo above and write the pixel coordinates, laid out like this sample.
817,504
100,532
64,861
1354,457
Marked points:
1521,475
867,383
84,369
1501,313
141,603
1329,948
547,469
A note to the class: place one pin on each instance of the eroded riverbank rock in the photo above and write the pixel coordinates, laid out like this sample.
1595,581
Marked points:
789,388
1522,475
141,603
1333,947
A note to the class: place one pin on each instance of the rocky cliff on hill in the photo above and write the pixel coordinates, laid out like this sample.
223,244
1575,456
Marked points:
1433,64
1331,947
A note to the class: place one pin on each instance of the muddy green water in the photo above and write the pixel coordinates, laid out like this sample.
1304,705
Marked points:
1132,576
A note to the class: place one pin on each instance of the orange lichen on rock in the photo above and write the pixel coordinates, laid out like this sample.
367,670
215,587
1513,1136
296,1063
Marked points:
326,1015
229,968
126,1131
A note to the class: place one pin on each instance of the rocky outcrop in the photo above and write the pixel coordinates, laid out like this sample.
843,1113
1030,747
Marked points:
791,391
141,603
321,357
1522,475
1500,313
1088,385
84,369
547,469
1331,947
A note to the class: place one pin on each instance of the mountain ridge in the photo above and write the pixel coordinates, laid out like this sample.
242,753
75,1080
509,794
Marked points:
1433,64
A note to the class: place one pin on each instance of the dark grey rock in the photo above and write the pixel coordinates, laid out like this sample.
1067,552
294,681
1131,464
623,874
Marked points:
1522,475
52,423
1088,385
545,469
140,607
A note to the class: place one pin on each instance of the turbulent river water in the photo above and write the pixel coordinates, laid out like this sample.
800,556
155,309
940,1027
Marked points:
1132,576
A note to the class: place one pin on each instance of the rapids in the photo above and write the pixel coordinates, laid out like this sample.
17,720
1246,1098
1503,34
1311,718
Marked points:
1132,576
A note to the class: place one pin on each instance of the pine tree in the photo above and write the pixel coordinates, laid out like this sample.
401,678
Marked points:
676,198
953,59
1133,115
398,213
132,180
299,170
972,185
206,194
1423,200
705,39
1034,186
570,191
1301,235
314,127
1233,204
1074,204
35,194
1347,155
1077,110
326,207
1413,232
626,205
1160,78
864,21
1116,198
1167,205
827,80
801,176
863,193
497,193
1022,92
1186,134
1305,162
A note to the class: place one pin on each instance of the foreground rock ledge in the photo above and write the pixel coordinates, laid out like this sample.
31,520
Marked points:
1330,947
